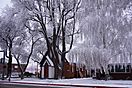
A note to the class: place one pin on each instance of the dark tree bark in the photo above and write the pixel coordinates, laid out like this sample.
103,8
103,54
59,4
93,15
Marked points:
9,69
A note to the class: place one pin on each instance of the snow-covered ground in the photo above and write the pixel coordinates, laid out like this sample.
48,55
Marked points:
80,81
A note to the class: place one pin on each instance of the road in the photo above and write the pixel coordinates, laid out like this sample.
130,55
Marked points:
32,85
25,86
6,84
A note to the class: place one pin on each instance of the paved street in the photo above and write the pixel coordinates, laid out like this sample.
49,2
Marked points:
37,85
22,86
34,85
27,86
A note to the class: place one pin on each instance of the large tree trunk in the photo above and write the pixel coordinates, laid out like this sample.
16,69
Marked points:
62,65
9,70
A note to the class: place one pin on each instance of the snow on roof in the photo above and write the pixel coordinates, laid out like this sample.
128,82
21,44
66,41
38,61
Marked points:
48,60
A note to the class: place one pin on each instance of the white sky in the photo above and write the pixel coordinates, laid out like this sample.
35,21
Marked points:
4,3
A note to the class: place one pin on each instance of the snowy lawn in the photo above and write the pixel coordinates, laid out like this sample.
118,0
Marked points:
79,81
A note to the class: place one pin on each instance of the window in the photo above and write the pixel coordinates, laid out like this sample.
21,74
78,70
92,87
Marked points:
0,60
119,68
72,67
111,68
15,67
128,68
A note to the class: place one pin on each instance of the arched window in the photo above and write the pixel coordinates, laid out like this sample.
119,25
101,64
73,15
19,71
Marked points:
120,68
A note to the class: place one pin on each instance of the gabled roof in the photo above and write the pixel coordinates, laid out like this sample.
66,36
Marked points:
43,59
48,60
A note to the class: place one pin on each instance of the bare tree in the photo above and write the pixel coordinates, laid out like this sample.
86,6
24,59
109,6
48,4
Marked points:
23,50
55,20
8,34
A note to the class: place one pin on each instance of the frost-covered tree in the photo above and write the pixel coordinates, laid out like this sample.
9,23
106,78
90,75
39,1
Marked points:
16,38
23,49
103,32
55,20
8,34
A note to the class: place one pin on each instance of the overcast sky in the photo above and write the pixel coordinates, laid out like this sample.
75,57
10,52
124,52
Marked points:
4,3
